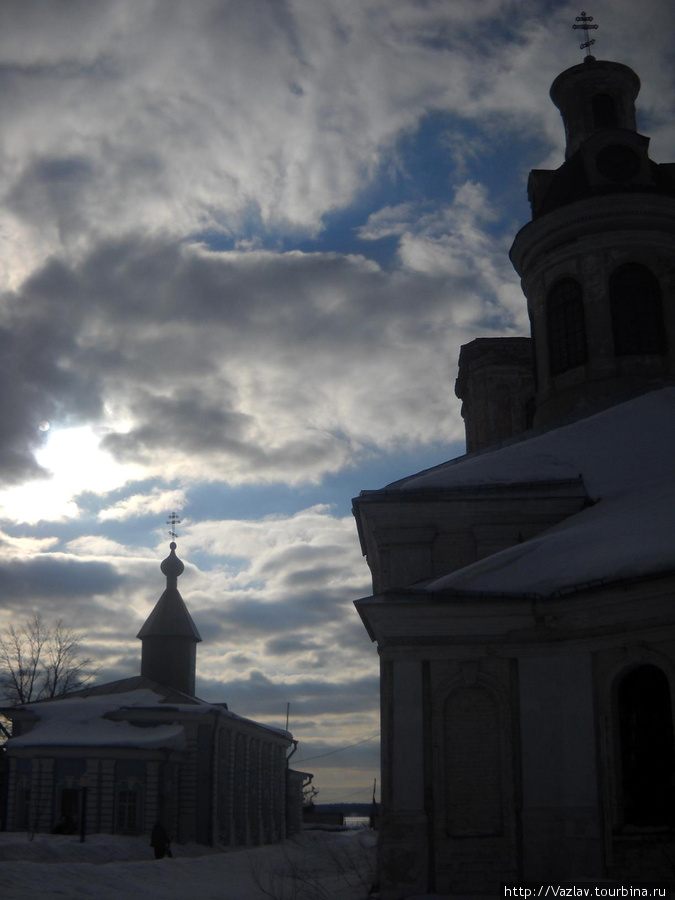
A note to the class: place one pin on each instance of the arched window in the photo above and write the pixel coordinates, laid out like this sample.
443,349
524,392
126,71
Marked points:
647,752
604,111
637,314
565,326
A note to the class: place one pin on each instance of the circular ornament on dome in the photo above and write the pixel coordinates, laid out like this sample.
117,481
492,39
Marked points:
618,163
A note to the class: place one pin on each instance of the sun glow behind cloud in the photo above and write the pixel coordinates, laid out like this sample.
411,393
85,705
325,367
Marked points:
75,463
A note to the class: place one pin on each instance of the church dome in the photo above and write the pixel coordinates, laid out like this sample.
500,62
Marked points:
172,566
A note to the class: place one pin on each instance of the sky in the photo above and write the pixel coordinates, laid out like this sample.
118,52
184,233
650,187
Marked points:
241,244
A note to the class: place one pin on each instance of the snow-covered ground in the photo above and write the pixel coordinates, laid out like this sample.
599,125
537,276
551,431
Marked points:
316,865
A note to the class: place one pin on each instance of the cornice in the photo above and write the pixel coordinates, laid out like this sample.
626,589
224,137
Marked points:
630,212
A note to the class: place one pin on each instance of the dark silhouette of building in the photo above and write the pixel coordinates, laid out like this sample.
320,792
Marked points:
523,594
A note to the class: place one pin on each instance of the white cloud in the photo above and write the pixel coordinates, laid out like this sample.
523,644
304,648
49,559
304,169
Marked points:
389,221
138,115
21,546
99,547
276,550
245,367
157,502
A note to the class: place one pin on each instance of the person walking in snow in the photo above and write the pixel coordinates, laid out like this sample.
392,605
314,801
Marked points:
159,841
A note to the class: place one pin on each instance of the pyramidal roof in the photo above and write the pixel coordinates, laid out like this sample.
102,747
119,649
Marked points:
170,617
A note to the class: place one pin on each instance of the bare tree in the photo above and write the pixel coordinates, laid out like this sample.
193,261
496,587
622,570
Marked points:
65,669
39,661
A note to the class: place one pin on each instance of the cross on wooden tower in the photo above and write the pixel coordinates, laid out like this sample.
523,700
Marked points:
586,27
173,520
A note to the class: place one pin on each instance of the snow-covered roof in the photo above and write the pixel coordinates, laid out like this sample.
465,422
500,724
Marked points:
95,717
627,460
84,722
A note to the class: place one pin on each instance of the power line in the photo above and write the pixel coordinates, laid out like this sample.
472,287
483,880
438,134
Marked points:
339,750
367,790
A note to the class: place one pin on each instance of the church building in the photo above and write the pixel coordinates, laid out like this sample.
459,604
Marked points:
524,594
117,758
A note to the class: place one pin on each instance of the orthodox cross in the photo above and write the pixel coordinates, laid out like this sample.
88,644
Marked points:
173,520
586,27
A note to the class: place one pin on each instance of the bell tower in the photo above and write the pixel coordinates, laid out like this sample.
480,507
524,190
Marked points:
169,636
597,261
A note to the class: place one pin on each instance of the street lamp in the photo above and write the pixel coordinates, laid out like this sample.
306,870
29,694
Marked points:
84,785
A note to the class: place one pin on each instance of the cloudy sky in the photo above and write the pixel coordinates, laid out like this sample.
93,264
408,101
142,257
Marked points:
241,243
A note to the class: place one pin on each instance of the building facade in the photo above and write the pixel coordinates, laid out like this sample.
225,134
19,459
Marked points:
523,594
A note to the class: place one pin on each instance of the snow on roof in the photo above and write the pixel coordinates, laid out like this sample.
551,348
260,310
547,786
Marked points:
625,456
82,721
608,449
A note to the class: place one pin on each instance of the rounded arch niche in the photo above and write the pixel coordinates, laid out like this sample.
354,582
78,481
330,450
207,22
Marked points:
474,789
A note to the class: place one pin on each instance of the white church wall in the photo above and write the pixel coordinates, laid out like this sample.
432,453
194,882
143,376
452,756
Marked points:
406,730
561,827
475,780
404,827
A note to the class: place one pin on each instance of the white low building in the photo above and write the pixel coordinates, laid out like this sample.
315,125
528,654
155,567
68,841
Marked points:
117,758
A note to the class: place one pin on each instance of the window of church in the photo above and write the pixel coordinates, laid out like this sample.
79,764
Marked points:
604,111
637,314
129,793
22,816
647,749
127,811
565,326
67,775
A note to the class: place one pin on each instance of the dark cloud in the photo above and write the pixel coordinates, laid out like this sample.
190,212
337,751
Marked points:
55,578
287,645
40,379
247,617
53,188
259,365
121,143
187,423
258,695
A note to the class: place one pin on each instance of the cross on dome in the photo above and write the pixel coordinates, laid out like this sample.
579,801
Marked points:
585,26
173,520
